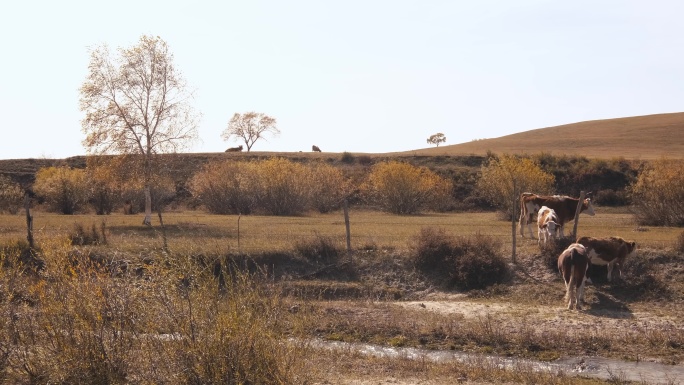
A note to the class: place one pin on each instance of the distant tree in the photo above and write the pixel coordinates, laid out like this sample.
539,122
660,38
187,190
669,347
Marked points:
250,127
504,176
436,139
137,103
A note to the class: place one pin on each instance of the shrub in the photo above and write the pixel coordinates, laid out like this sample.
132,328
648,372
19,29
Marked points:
162,192
18,253
431,248
225,187
658,194
11,195
463,262
506,175
329,187
64,189
105,183
365,160
347,157
401,188
282,187
551,250
93,236
318,249
611,197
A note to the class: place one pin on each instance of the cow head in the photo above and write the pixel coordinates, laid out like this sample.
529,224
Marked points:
551,226
631,249
588,207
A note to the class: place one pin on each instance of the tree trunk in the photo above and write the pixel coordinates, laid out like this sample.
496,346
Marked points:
148,206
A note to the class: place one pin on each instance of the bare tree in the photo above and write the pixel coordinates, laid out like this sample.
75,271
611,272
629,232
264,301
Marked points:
436,139
250,127
137,103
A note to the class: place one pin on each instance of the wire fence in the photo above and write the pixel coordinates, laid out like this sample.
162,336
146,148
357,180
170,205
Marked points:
367,229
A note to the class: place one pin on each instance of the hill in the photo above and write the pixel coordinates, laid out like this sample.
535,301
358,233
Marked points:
639,138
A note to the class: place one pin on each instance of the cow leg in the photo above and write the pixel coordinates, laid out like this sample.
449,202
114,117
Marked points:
529,229
610,271
580,297
570,288
560,230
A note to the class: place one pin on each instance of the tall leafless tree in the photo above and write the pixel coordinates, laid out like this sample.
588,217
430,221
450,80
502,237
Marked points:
137,103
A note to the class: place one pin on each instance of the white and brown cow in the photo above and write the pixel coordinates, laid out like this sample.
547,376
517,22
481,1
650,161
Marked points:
547,224
564,206
573,263
610,252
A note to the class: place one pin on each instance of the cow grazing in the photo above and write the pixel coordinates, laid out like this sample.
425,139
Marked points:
610,252
564,206
235,149
315,148
573,264
547,224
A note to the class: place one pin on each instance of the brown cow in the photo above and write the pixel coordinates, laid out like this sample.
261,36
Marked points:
564,206
573,264
611,252
235,149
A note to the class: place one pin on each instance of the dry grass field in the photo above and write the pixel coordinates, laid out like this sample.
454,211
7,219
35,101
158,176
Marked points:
375,295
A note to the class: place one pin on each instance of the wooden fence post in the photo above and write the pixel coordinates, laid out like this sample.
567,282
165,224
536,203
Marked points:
345,206
577,213
29,219
513,227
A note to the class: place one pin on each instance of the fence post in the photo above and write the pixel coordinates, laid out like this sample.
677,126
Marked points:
238,232
514,202
345,206
29,219
577,213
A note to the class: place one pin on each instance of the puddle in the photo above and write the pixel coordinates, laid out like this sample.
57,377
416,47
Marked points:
593,367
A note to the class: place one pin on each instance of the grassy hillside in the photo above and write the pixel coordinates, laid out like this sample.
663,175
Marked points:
640,137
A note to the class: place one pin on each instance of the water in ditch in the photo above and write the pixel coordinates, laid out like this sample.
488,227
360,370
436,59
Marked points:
594,367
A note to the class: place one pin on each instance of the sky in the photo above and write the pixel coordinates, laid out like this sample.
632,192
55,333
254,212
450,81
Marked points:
371,76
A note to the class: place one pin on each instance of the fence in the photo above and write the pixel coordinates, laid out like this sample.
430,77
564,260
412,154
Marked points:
200,232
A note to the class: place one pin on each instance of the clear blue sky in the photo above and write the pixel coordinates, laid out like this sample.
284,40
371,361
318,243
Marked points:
360,76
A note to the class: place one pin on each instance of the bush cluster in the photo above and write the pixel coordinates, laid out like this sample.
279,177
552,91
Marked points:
11,195
401,188
658,194
464,262
64,189
274,186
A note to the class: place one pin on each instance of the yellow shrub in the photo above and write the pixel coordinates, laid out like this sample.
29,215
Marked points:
658,193
329,187
401,188
504,177
64,189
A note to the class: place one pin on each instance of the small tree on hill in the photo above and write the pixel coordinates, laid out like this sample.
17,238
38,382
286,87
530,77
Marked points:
436,139
250,127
